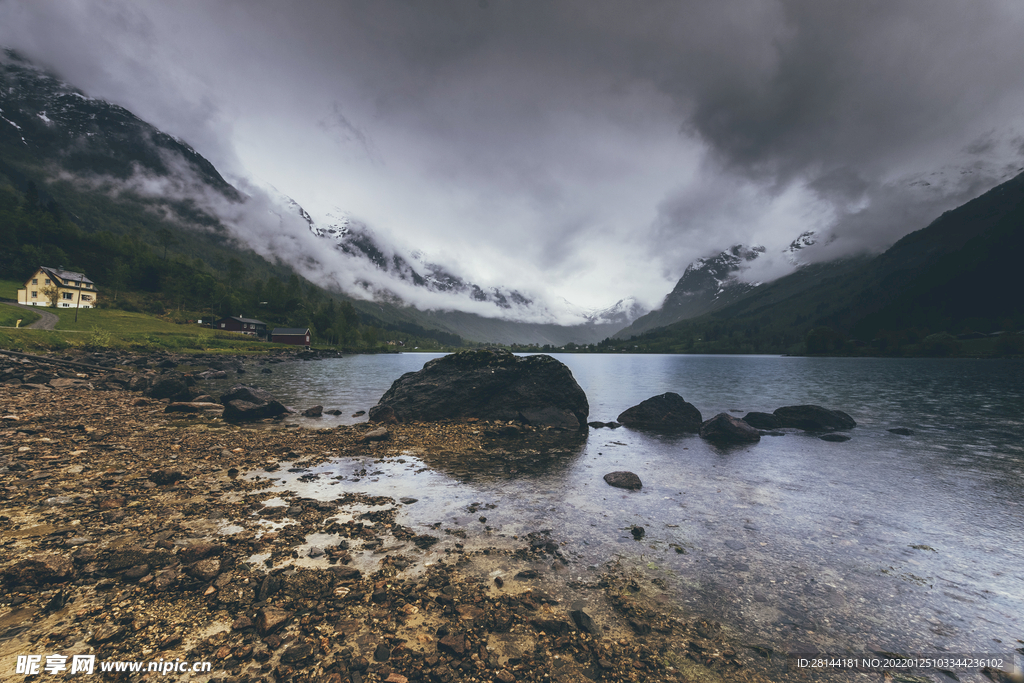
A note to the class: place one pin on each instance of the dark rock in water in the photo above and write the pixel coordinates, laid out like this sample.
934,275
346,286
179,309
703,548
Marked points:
407,500
837,438
332,411
623,480
584,621
902,431
556,627
665,413
596,425
641,628
726,429
762,420
315,411
489,384
243,403
453,644
172,386
297,653
358,413
814,418
270,619
637,531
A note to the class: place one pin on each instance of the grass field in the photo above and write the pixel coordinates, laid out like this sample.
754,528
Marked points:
113,329
9,316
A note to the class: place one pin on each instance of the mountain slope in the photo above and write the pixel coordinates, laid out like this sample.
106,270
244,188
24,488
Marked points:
958,274
707,285
110,171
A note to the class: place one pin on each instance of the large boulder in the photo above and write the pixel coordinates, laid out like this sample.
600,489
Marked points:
488,384
243,403
726,429
665,413
814,418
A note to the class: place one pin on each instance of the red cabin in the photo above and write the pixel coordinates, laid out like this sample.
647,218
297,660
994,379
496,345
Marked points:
299,336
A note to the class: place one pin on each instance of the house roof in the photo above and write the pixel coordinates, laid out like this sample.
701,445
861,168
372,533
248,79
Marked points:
244,320
285,331
63,275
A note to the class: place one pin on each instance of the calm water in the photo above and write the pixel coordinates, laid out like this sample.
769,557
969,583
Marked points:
885,542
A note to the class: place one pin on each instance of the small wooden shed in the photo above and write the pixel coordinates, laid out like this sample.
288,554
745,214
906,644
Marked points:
299,336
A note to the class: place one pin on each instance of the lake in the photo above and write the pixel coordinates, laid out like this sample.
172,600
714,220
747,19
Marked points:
881,543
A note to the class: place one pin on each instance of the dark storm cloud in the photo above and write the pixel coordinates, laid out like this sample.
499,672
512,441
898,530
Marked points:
583,148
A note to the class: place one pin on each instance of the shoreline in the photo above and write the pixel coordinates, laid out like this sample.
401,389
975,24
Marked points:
134,535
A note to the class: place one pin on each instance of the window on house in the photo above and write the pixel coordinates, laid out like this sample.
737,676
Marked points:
223,325
35,281
86,297
46,281
88,286
67,295
35,295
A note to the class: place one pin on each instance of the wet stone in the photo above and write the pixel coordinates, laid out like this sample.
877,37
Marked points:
623,480
270,619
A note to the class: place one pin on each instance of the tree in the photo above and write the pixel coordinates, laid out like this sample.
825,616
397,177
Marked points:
166,238
51,293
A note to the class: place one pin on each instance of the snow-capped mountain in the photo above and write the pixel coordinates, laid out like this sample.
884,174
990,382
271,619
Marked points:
91,140
357,240
706,285
806,239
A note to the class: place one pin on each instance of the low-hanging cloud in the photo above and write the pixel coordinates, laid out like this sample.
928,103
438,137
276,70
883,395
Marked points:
579,149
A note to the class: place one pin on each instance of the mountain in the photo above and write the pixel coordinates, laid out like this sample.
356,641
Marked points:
109,170
958,275
707,284
356,239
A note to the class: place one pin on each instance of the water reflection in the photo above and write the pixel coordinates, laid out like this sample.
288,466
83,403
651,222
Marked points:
520,458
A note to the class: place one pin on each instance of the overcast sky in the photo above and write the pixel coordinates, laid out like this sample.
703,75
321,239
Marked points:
583,150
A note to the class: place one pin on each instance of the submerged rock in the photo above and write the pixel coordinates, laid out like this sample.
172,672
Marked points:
488,384
623,480
668,412
315,411
814,418
902,431
837,438
762,420
726,429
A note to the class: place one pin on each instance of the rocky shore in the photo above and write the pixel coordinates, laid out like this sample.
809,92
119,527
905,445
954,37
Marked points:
135,534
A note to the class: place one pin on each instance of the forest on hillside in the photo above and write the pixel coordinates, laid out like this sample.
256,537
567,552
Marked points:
134,274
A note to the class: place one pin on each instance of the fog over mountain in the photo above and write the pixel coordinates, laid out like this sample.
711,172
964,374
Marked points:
568,151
